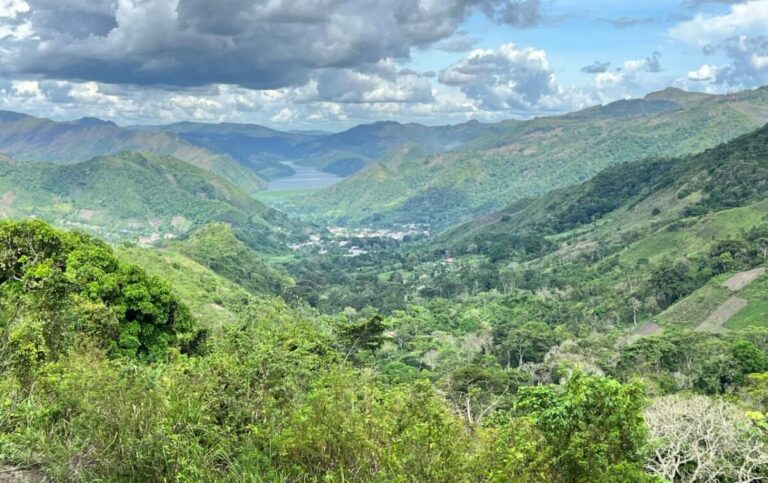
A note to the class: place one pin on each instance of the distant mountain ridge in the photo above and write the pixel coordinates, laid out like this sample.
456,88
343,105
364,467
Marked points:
651,208
265,150
28,138
519,159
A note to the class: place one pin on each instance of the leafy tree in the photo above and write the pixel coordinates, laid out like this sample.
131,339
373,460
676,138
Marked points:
591,425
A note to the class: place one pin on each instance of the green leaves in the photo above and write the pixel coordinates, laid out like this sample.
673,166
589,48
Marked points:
71,289
590,424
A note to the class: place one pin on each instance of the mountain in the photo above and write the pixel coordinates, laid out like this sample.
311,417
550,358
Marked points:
128,196
266,151
523,159
649,209
349,151
28,138
263,150
213,272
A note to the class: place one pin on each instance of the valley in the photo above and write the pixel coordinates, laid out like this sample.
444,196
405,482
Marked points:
570,272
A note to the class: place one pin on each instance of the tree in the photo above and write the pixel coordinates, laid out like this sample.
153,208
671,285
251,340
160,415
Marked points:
697,438
367,334
593,426
528,342
477,389
59,289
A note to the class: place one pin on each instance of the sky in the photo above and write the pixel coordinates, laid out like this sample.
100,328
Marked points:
331,64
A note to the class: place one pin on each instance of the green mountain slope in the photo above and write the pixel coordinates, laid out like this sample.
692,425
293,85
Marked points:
347,152
261,149
211,298
530,158
217,247
28,138
131,195
651,208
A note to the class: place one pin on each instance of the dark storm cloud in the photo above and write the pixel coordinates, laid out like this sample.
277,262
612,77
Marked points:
256,44
75,19
596,68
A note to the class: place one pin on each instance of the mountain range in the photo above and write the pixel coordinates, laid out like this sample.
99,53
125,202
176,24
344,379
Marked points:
520,159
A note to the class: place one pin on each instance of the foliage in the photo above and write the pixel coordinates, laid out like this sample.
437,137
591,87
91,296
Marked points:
62,289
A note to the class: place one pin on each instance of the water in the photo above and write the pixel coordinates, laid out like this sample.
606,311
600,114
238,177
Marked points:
305,177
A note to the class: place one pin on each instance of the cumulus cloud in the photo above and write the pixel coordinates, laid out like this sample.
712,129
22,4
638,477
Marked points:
381,83
648,64
261,45
512,79
596,68
705,73
740,34
626,81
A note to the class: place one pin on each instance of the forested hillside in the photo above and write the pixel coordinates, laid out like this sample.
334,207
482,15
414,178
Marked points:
27,138
266,150
132,196
530,158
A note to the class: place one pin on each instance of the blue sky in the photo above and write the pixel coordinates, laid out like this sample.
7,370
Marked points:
330,64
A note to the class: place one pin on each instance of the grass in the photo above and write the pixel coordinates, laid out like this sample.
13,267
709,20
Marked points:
756,311
677,242
694,309
213,300
283,195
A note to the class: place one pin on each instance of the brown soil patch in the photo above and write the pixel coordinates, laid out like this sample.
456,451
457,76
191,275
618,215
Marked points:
86,215
8,198
11,474
646,330
721,315
741,280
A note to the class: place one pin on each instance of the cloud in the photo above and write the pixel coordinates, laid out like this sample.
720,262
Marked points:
740,34
520,13
259,45
461,43
699,3
626,22
382,83
705,73
596,68
649,64
744,19
510,78
630,80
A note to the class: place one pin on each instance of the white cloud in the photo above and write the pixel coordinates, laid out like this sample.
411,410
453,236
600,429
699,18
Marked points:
705,73
748,18
510,78
741,35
